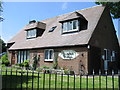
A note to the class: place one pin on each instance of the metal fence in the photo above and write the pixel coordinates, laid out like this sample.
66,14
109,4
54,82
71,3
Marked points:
25,79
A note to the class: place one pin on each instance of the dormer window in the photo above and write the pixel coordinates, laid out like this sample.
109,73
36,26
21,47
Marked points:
70,26
31,33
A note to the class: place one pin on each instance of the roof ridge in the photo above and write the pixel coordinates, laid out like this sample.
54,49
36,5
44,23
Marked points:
72,12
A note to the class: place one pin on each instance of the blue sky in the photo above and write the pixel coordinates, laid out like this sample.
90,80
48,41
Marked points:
18,14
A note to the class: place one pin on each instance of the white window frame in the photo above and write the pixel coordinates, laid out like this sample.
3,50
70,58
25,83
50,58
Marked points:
113,56
22,56
110,55
66,26
49,55
31,33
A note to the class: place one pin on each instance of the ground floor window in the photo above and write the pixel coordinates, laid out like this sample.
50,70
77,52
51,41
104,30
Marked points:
22,56
109,55
49,54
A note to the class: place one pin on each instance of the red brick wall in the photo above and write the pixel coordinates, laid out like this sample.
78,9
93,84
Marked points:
73,64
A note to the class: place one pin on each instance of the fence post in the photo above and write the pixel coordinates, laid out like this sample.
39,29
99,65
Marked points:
80,82
49,80
68,82
11,78
87,82
6,79
119,79
113,79
61,80
16,78
44,81
55,80
74,81
21,78
93,78
38,81
100,79
27,81
106,78
32,79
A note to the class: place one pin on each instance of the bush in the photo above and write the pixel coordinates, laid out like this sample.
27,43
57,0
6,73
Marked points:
26,63
5,60
21,64
66,71
39,69
55,65
45,67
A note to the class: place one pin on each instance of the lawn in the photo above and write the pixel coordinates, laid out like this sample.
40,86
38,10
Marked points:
15,80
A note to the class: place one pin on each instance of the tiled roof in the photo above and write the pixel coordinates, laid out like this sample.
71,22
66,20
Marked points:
55,38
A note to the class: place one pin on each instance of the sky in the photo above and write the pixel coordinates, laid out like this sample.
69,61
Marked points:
18,14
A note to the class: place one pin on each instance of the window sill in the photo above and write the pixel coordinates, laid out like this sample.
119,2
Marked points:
48,60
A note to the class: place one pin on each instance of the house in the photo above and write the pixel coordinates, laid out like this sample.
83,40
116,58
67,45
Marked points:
80,41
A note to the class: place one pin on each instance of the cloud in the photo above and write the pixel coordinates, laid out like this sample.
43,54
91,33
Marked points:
64,6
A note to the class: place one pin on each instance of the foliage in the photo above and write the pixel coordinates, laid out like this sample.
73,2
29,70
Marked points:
2,44
5,60
35,61
39,69
21,64
113,6
66,71
1,10
55,64
24,64
45,67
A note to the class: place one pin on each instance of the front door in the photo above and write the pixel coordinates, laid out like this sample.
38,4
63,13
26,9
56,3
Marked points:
13,58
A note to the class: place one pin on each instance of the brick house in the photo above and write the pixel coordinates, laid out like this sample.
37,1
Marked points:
82,40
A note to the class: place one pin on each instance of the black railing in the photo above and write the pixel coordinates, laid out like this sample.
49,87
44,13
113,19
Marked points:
25,79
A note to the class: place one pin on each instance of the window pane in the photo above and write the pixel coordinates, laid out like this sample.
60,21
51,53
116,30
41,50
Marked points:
46,54
105,53
69,25
28,55
18,57
24,55
75,24
64,27
21,56
51,54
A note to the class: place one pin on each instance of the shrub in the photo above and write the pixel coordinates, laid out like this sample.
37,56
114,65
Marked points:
35,61
39,69
45,67
21,64
55,65
26,63
5,60
66,71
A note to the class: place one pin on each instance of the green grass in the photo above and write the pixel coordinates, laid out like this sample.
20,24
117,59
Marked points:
13,81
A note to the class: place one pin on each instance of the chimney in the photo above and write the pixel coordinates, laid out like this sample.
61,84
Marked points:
32,21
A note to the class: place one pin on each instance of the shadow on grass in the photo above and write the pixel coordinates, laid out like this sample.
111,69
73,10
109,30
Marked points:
13,81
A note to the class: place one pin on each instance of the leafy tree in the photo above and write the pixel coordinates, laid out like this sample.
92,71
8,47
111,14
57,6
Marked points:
113,6
2,46
5,60
1,10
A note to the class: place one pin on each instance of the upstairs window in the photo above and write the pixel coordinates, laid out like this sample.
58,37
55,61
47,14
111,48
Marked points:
49,54
70,26
31,33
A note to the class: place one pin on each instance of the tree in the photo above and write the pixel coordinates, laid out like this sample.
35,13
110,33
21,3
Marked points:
2,46
113,6
1,10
